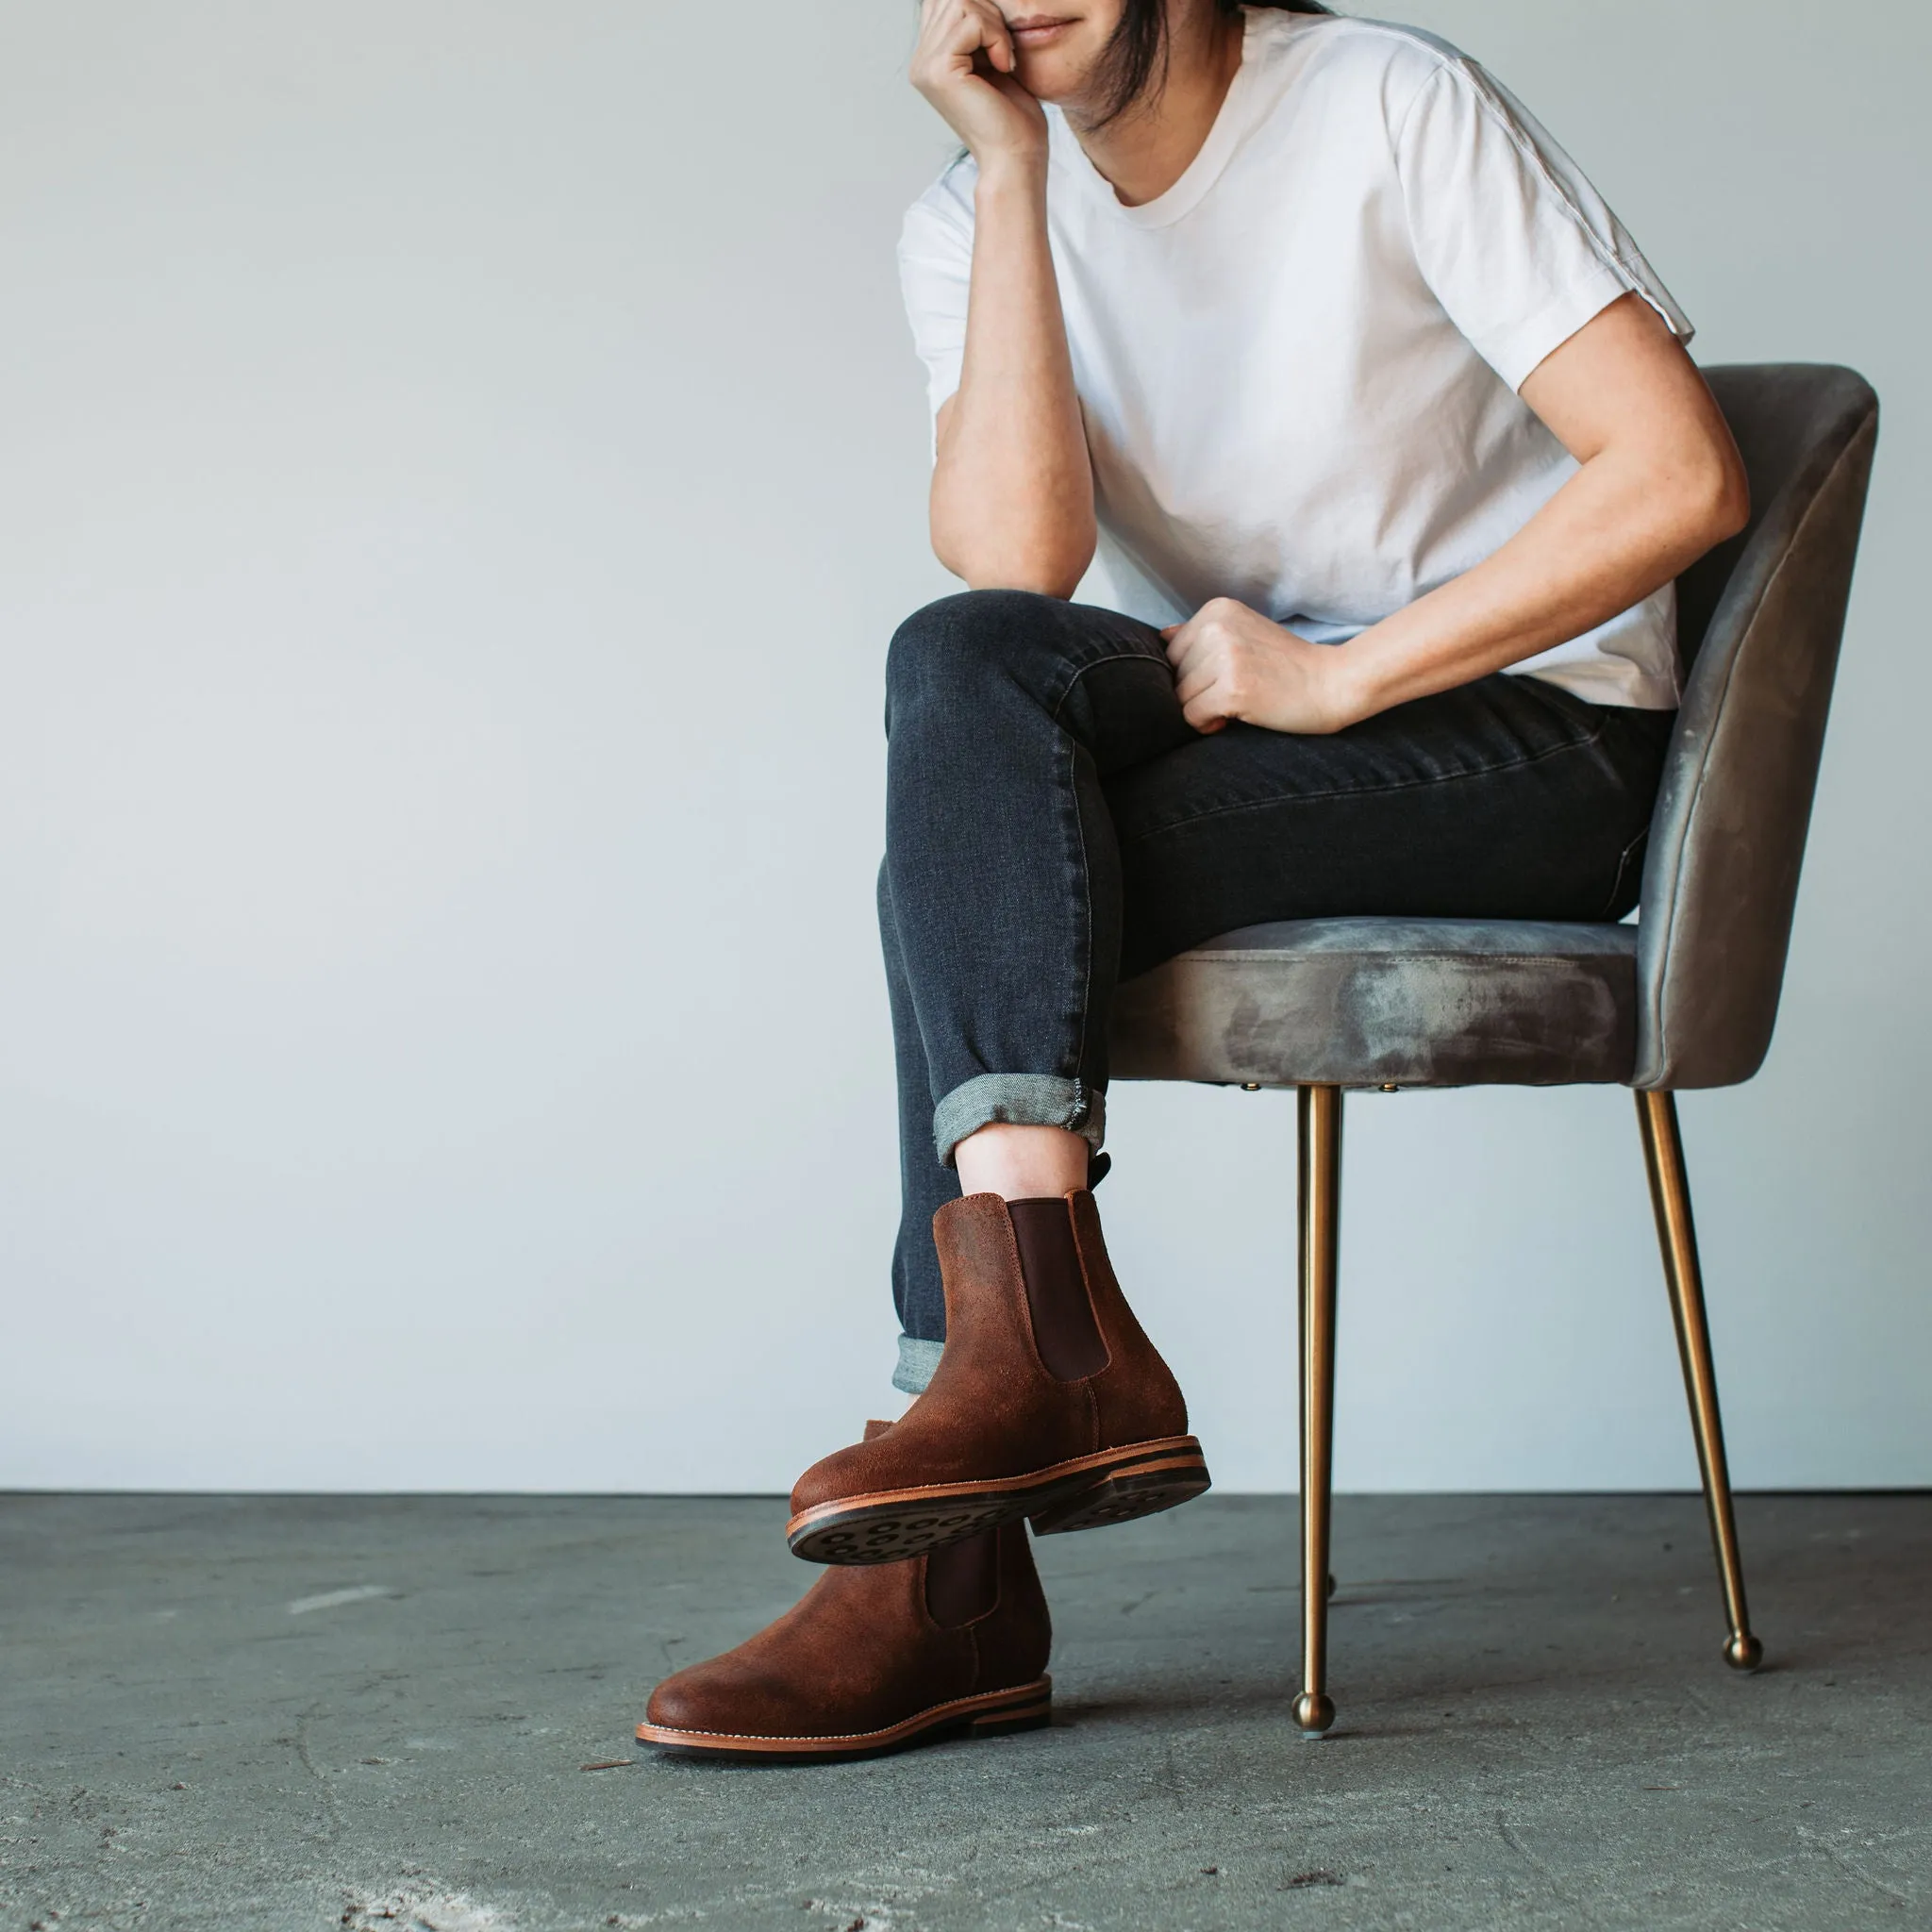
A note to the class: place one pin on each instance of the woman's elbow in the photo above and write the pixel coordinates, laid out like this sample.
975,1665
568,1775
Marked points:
1716,496
1731,510
1053,568
1689,502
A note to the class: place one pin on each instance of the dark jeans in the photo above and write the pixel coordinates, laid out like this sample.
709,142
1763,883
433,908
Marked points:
1053,826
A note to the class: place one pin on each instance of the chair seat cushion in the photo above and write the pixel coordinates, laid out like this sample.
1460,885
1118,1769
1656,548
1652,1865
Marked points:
1388,1002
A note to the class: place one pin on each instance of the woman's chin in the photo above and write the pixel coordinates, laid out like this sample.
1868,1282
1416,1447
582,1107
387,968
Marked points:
1049,76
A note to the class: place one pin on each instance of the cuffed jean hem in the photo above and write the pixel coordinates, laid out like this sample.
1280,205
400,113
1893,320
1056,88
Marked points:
1018,1100
917,1361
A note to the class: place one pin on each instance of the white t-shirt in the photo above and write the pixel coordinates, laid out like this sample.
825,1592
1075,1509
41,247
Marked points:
1298,367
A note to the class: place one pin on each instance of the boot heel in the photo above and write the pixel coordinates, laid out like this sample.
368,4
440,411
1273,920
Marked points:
1035,1716
1176,1475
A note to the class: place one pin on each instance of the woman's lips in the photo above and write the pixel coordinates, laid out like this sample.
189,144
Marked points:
1035,29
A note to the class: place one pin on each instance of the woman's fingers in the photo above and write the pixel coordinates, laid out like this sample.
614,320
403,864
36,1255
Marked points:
1198,686
1191,683
997,42
1188,651
1206,717
966,66
958,29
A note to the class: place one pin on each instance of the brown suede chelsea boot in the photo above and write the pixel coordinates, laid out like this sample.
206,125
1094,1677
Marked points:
1049,1402
875,1659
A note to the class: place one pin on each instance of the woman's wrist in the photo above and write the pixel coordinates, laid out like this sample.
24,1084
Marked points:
1355,684
1008,173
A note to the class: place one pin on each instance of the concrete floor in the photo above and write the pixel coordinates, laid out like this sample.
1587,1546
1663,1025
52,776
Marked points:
267,1713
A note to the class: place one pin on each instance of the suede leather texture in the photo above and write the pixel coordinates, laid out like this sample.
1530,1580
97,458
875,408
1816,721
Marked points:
860,1653
1687,997
992,1409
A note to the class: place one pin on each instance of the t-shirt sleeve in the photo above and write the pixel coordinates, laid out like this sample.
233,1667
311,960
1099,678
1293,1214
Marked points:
1518,247
934,274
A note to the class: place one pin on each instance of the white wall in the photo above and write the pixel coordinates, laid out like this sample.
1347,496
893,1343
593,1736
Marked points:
459,465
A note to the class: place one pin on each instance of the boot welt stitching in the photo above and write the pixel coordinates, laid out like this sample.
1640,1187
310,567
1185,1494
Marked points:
982,1704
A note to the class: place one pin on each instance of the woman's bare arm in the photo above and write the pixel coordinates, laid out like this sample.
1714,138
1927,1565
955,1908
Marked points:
1661,482
1012,490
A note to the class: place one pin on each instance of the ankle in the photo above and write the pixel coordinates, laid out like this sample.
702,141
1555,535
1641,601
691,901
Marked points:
1022,1163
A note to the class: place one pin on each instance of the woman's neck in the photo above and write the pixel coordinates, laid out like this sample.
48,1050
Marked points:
1143,151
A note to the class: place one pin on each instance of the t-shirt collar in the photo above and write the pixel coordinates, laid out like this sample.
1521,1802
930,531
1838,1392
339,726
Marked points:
1202,172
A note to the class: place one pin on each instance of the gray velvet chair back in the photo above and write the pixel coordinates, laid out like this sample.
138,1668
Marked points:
1761,620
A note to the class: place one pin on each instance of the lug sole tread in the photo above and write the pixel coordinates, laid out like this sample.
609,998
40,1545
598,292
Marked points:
1090,1492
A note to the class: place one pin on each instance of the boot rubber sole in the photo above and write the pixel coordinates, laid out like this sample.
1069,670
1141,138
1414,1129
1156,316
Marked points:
1112,1486
990,1714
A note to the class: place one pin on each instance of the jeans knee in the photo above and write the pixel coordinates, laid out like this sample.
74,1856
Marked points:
962,638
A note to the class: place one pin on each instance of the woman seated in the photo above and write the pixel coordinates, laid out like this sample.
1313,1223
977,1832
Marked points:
1372,440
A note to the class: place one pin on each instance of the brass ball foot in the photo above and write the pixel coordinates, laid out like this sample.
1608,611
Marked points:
1743,1651
1314,1713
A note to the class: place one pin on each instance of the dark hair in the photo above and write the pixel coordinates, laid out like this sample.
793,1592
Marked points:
1135,60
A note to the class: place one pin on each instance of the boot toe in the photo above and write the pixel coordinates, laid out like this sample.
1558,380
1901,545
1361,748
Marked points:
722,1703
832,1478
681,1703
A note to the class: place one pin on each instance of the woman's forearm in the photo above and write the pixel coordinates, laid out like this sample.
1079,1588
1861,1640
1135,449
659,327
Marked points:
1661,482
1616,531
1012,490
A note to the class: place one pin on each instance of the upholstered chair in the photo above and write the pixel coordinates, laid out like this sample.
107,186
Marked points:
1686,998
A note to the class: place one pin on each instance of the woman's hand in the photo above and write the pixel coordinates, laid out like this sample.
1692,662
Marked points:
964,65
1231,662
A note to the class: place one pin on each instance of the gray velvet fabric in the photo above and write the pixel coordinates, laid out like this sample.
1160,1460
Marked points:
1394,1002
1686,998
1728,835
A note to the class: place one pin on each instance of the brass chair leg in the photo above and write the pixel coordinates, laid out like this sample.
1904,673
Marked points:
1320,1111
1670,1194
